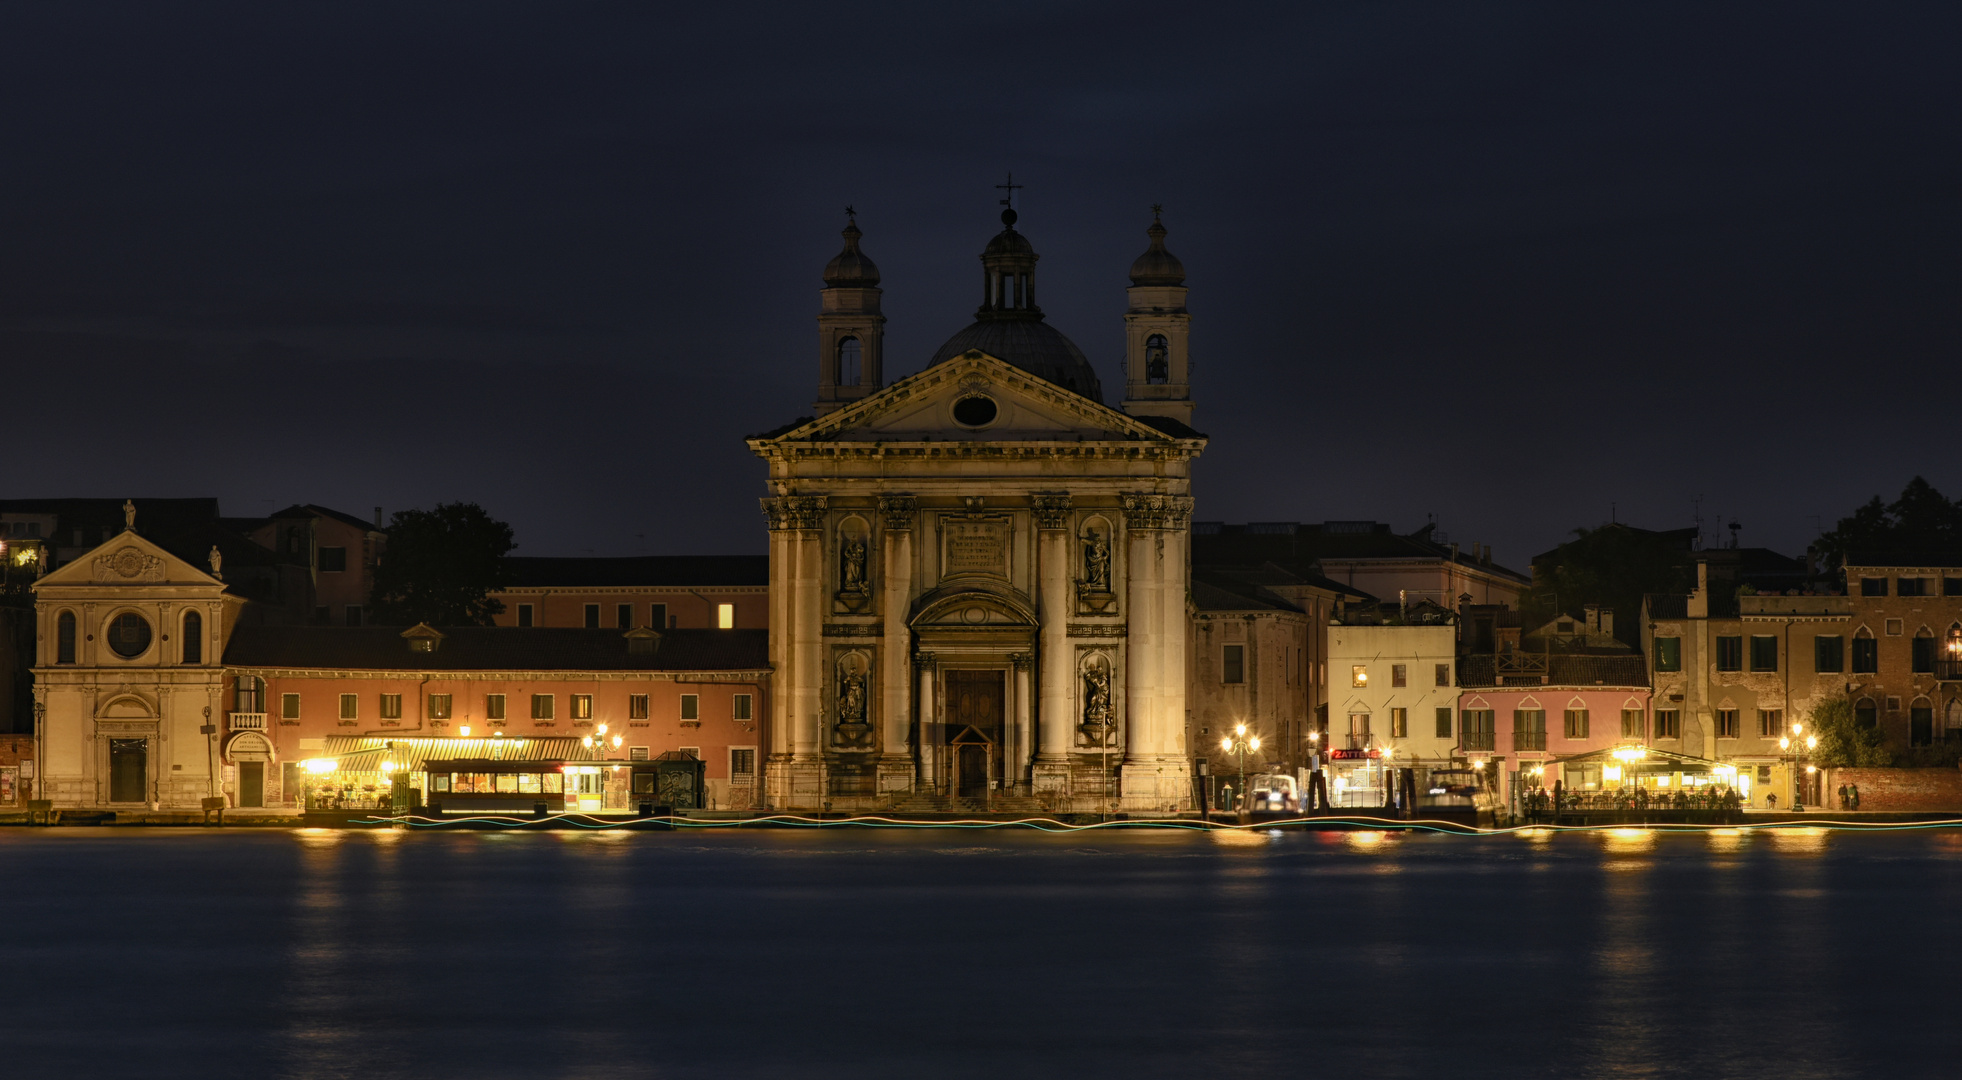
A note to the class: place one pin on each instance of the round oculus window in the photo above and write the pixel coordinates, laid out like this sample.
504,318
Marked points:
975,411
129,635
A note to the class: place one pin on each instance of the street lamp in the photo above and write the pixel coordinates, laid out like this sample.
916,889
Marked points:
1240,743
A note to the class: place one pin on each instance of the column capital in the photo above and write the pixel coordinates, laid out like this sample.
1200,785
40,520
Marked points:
1157,511
1022,661
898,512
923,660
794,512
1052,510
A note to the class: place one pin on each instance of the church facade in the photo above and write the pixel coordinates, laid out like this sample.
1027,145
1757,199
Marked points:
979,574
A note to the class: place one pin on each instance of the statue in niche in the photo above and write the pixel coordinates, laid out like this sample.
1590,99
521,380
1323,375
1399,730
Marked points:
854,592
1093,588
1096,701
853,573
851,698
1096,562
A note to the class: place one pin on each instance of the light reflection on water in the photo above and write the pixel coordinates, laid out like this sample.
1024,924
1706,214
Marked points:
863,953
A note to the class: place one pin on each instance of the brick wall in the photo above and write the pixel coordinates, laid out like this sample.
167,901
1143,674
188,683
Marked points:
1899,789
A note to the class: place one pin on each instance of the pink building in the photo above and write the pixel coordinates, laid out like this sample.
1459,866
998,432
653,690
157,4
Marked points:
1545,698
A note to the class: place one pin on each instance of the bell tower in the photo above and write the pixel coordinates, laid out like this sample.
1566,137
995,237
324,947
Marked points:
1157,328
851,331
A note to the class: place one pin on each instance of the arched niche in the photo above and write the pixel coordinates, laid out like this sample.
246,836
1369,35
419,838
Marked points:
852,565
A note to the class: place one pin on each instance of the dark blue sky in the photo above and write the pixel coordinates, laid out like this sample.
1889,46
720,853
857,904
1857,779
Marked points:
1507,264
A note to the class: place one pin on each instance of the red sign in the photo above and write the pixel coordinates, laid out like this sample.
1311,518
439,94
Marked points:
1353,755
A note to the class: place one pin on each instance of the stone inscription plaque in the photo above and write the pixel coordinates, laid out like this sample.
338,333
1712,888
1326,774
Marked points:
975,547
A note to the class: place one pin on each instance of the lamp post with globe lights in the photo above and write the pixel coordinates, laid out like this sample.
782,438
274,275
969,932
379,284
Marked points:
1241,743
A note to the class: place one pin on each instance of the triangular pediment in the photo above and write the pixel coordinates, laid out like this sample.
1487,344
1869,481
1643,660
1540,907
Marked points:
127,559
922,407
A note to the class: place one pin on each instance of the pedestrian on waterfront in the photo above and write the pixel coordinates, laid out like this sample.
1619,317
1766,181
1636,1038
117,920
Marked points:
1843,804
1853,791
1771,800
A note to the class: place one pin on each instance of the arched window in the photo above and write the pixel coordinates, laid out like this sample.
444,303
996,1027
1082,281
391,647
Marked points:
850,361
1865,713
249,696
193,639
65,638
1158,359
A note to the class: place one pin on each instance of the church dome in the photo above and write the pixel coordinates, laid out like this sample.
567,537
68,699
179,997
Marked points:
1157,266
851,269
1009,325
1032,345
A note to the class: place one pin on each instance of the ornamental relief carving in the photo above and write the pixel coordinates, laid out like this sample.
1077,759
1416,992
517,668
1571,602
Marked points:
787,512
1157,511
1097,630
1052,510
898,512
128,563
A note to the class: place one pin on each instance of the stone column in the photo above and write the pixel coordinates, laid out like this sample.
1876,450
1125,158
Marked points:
895,652
1024,749
1055,667
928,739
797,561
1155,776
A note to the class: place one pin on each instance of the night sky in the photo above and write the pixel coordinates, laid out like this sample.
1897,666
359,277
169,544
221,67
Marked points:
1517,266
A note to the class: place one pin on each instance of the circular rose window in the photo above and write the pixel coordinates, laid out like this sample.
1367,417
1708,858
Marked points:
129,635
976,411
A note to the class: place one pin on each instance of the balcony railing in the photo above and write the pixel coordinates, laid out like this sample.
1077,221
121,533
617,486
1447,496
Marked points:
1948,670
1529,740
248,721
1477,740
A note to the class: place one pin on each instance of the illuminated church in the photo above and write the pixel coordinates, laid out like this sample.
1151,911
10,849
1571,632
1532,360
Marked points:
979,572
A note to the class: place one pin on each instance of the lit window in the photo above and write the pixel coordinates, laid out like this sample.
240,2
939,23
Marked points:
1361,675
582,706
725,616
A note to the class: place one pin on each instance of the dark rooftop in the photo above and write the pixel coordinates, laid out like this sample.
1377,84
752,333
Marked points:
655,571
1593,668
494,648
1296,543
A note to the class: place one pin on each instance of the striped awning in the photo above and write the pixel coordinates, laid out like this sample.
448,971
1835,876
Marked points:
365,754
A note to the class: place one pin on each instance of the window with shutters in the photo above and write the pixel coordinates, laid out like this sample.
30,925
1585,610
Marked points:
691,706
1669,654
1771,723
391,706
1764,652
582,706
1399,723
289,706
1730,653
1233,664
592,616
740,706
439,706
1398,675
1727,724
1632,724
541,707
1444,675
1866,653
493,706
1444,721
636,706
350,706
1576,723
1828,653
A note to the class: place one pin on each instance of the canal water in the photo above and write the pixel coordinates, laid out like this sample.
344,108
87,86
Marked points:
853,953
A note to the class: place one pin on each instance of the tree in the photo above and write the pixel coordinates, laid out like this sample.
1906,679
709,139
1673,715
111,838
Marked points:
440,567
1843,740
1921,520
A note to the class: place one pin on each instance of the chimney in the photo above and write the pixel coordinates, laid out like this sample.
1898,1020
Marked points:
378,517
1699,601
